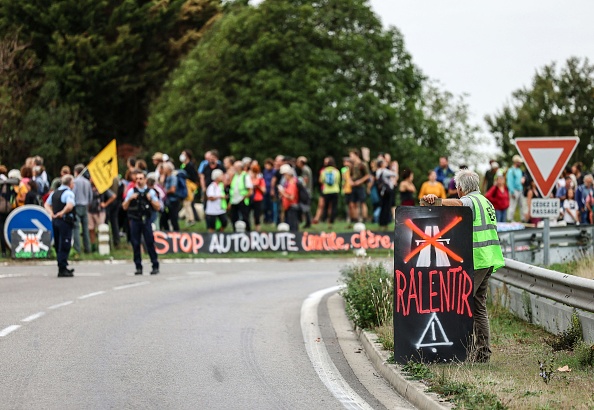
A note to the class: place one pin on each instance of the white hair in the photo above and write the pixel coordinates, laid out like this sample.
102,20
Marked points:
467,181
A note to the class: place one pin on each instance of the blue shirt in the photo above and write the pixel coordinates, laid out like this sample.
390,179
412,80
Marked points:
444,175
514,180
171,181
67,197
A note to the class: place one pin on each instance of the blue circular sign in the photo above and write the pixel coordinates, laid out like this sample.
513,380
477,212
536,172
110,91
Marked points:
28,217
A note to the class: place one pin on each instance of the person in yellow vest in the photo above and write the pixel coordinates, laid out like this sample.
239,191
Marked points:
240,191
486,252
330,183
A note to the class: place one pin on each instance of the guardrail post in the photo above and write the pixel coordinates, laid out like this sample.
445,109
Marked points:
546,240
512,241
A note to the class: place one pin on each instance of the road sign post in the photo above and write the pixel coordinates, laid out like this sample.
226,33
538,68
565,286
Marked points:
545,158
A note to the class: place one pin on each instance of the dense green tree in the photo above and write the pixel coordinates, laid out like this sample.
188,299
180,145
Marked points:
559,102
106,59
293,77
18,80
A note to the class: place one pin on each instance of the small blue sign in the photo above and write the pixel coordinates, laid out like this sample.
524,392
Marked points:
28,217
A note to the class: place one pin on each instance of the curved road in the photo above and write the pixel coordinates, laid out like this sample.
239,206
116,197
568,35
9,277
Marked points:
218,335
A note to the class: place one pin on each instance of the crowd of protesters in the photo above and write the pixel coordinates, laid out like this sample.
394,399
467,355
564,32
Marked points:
225,190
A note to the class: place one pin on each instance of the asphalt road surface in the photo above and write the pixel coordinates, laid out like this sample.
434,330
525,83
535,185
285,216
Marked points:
233,334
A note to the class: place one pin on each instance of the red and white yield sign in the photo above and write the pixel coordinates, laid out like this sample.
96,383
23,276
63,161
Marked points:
545,158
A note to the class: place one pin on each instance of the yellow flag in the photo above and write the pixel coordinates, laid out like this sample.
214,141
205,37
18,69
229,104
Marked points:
104,167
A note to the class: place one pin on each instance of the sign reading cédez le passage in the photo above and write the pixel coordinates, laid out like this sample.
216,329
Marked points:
433,283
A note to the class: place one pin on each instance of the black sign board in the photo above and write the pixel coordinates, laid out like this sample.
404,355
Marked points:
433,283
221,243
30,243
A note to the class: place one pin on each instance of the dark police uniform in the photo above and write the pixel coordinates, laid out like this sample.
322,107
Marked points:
62,227
139,214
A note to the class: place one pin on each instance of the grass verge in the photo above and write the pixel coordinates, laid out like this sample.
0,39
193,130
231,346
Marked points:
526,370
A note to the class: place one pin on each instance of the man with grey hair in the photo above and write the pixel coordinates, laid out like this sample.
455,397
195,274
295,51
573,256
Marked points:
61,204
486,252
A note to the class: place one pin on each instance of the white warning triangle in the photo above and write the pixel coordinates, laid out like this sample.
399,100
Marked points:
545,159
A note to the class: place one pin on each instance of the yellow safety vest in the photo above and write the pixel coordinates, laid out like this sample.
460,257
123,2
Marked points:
486,249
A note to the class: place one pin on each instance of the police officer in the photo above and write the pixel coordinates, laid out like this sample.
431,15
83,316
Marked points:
60,205
140,202
486,252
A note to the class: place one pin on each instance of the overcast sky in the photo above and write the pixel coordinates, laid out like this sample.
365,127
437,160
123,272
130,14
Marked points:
488,49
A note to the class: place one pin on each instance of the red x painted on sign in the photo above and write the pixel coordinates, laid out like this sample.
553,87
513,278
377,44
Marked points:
432,240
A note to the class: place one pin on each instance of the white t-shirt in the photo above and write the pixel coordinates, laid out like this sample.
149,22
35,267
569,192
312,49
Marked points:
573,205
214,207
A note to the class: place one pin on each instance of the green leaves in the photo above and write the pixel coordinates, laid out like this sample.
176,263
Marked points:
559,102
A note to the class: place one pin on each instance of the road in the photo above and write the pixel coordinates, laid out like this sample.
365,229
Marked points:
232,334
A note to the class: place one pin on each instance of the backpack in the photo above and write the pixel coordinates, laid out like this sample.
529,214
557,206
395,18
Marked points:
5,198
304,197
380,185
181,189
329,177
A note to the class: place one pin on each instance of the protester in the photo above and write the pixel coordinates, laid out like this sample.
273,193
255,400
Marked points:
83,195
241,189
61,206
432,186
25,175
490,176
268,174
532,193
385,179
7,196
305,175
216,203
571,209
97,212
486,251
498,195
360,175
172,201
407,188
583,192
290,197
330,182
257,199
186,159
140,203
515,180
443,172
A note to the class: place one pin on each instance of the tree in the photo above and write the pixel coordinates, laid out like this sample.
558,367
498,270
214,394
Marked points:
292,77
107,59
559,102
18,80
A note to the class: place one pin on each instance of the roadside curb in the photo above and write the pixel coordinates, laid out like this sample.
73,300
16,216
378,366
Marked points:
413,391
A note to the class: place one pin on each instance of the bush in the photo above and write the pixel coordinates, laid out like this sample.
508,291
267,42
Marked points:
363,282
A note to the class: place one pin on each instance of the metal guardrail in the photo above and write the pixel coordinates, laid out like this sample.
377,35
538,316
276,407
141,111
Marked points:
566,243
546,297
567,289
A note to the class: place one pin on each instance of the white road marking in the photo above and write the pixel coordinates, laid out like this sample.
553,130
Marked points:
90,295
318,354
201,273
59,305
38,224
6,331
88,274
33,317
11,275
132,285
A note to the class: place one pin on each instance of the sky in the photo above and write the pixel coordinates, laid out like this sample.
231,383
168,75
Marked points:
488,49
